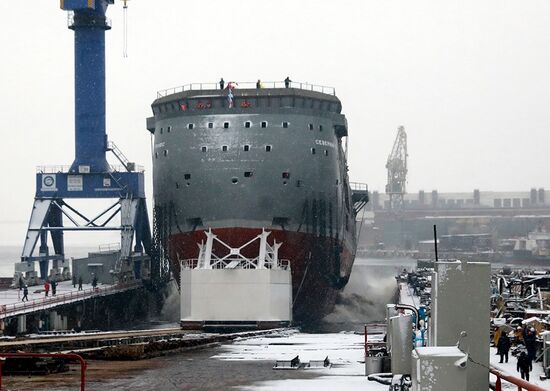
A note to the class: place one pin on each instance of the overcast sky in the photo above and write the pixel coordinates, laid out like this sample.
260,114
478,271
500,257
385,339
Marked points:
469,80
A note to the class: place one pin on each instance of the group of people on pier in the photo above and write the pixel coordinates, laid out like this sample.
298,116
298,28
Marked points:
52,285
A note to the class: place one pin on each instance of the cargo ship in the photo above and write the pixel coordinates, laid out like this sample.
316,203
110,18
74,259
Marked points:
245,158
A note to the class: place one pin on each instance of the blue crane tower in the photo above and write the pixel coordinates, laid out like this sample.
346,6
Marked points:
89,176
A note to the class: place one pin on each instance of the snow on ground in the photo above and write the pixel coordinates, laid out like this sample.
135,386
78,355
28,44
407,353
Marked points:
511,369
344,350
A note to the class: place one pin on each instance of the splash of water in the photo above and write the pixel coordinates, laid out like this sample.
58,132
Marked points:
363,300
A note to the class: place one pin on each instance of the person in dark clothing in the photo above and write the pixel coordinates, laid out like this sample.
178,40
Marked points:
54,287
25,294
524,366
287,82
530,340
94,282
258,84
503,346
222,83
74,281
80,283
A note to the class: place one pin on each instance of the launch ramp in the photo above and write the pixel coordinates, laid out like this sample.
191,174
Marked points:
235,291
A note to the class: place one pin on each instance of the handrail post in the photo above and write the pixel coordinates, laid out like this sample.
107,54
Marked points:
1,364
366,343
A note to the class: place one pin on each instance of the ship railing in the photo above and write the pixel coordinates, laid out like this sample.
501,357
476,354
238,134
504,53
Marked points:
190,263
357,186
108,247
62,298
59,169
283,264
247,85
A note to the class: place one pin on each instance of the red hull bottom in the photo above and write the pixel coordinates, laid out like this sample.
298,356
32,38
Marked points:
320,266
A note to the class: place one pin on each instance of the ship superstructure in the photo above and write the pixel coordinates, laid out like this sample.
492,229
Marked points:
240,160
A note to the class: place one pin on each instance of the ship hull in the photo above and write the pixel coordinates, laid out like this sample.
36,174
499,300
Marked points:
320,266
273,159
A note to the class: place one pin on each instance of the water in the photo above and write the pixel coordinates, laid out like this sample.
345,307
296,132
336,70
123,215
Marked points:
9,255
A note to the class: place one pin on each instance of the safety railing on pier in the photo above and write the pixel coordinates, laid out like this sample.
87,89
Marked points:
520,383
65,356
247,85
62,298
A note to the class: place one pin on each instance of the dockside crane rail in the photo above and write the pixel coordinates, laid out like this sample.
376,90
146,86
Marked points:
397,170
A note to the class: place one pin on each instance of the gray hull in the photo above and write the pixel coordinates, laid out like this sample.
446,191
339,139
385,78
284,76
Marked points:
275,160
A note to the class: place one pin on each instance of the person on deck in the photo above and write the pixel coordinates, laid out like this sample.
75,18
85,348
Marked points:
287,82
258,84
54,287
74,281
524,366
80,283
46,287
503,346
222,83
94,282
25,294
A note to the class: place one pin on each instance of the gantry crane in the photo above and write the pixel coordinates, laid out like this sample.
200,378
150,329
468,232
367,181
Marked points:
89,176
397,170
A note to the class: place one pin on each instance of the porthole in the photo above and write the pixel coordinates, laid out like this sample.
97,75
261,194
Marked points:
264,124
224,148
204,148
248,174
268,148
313,151
210,125
285,125
247,124
190,126
310,126
320,128
226,125
187,176
165,152
169,129
235,180
326,152
246,148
